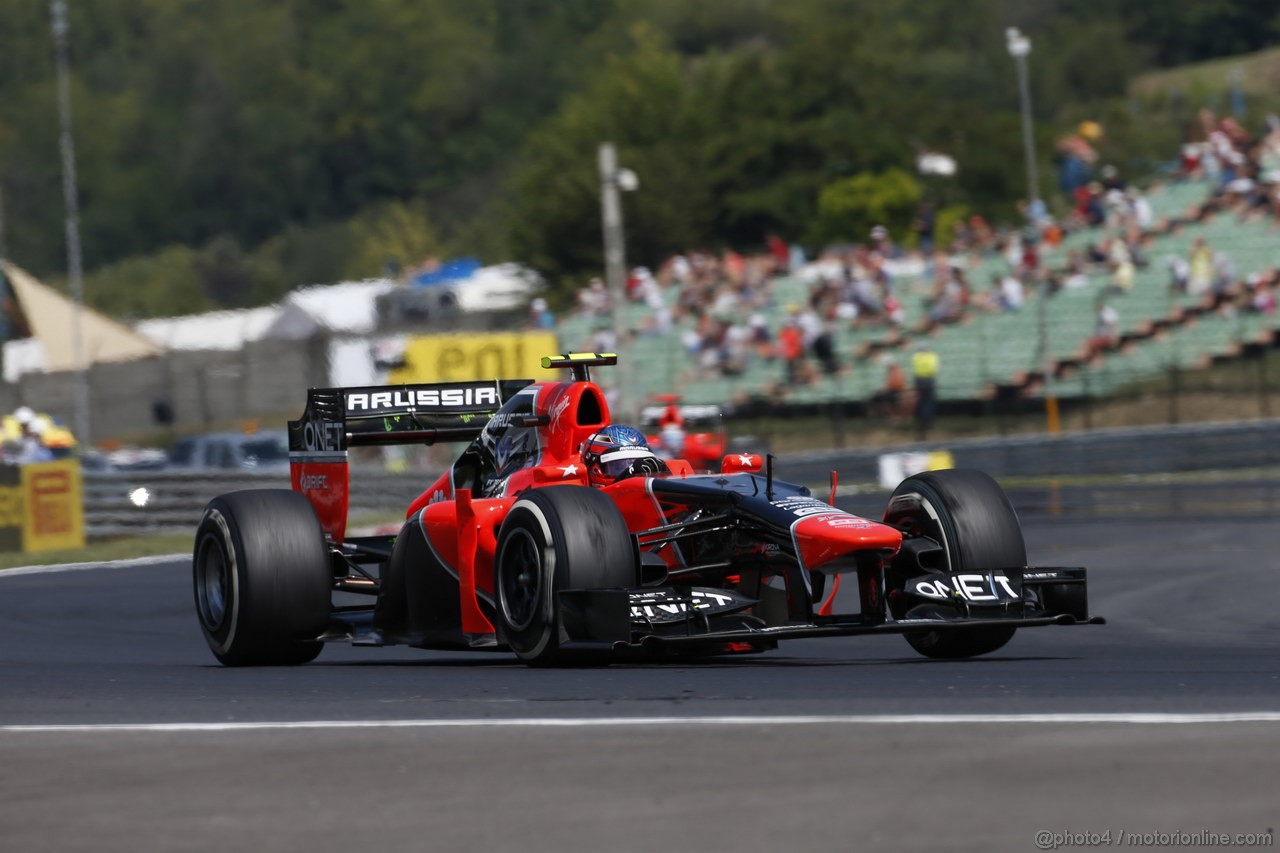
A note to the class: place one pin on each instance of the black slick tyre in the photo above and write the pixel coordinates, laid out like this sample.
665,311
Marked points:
556,538
968,514
262,578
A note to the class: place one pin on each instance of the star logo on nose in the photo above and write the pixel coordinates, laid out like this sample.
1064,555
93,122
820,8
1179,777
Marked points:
570,470
745,460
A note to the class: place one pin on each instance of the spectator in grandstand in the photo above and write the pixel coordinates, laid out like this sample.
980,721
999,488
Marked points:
791,347
1120,263
1010,292
1200,268
894,312
540,316
1179,274
922,226
1073,156
761,339
951,296
924,372
889,400
593,300
1262,294
28,445
1106,329
882,243
649,291
1074,273
824,349
737,351
1140,212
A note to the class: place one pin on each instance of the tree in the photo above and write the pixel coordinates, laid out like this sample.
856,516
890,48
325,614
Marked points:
849,208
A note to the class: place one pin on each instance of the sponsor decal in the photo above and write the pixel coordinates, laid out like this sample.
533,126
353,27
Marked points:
558,409
321,435
802,507
995,586
500,421
421,398
848,521
436,497
472,356
311,482
670,605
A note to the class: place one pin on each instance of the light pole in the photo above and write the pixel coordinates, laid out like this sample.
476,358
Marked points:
1019,48
75,273
612,181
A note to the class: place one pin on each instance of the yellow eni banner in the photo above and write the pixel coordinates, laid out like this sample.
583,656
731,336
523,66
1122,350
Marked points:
53,505
459,358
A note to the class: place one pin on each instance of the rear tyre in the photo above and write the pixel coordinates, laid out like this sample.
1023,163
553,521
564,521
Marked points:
968,514
555,538
262,578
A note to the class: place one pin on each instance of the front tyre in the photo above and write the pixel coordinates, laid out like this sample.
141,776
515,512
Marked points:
556,538
262,578
970,517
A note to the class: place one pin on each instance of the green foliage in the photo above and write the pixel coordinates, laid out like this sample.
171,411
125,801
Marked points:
947,220
285,142
849,208
172,285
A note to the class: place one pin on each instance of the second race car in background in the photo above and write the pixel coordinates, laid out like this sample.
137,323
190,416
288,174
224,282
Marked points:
695,433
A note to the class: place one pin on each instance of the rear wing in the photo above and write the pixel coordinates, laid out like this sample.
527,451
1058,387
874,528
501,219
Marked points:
338,418
692,414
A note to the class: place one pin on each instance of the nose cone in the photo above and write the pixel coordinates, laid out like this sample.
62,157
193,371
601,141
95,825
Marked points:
821,538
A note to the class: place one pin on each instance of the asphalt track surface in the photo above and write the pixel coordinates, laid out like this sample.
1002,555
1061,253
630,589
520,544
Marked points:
118,731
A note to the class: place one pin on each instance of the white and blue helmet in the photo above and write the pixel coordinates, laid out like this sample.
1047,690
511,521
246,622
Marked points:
618,452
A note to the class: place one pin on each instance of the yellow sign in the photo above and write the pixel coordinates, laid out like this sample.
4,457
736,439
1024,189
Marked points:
54,516
461,358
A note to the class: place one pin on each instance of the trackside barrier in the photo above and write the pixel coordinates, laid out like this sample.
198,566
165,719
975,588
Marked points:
1130,450
173,501
176,499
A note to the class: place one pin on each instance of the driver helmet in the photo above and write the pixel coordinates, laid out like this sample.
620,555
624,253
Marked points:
618,452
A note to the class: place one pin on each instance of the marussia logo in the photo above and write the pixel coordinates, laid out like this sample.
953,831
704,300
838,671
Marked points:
421,398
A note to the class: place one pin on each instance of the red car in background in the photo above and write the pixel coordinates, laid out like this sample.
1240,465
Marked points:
673,432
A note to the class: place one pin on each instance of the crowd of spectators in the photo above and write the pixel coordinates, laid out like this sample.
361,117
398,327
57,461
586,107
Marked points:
726,314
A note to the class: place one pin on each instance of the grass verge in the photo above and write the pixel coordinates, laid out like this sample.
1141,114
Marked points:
109,549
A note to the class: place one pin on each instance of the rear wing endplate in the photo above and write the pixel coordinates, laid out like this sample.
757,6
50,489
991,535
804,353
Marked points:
338,418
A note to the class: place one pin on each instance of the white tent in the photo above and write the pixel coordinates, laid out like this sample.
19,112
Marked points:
348,308
50,316
215,330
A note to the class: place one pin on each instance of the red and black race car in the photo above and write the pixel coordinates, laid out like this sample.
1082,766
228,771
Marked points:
564,542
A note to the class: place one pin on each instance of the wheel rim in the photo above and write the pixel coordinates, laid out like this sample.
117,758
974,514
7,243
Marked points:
522,579
213,584
914,513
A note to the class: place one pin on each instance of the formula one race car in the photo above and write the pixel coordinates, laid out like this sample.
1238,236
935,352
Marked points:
670,436
562,538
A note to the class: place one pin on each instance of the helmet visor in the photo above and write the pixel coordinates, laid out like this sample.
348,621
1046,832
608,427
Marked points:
628,461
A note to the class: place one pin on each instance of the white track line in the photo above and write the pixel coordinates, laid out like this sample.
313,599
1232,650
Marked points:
616,722
135,562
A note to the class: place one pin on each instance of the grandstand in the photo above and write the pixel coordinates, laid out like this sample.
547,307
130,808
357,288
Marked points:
989,352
